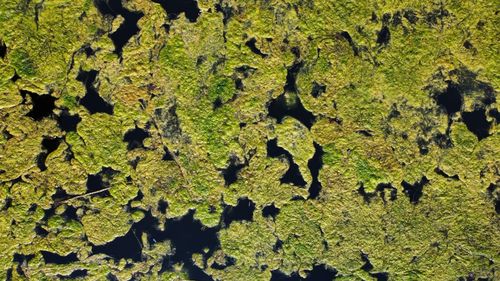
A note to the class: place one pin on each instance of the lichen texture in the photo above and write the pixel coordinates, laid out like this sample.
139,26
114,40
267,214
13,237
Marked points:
234,140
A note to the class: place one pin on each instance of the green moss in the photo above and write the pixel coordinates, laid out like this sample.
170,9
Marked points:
222,88
332,155
368,175
22,62
69,101
201,90
173,54
95,146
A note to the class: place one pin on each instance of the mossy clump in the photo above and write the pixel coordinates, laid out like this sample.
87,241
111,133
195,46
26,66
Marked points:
249,140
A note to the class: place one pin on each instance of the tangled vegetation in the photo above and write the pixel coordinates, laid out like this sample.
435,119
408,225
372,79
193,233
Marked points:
249,140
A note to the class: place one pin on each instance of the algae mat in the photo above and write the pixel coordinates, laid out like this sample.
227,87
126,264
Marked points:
249,140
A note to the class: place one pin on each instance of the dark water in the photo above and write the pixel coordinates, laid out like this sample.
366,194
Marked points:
348,38
315,164
380,276
3,49
42,105
186,234
291,76
20,259
317,89
320,272
226,10
382,188
79,273
477,123
49,145
127,29
54,258
167,156
440,172
230,173
367,266
228,261
270,211
385,190
135,138
251,43
451,100
100,181
384,36
68,122
92,101
162,206
278,109
128,247
174,8
292,175
494,196
243,211
414,191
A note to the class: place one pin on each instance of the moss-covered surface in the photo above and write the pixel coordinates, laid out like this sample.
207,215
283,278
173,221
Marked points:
249,140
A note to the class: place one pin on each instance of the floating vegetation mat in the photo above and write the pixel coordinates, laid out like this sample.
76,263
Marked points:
238,140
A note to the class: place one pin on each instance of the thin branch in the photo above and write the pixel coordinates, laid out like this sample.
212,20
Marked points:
176,160
84,195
